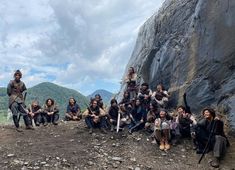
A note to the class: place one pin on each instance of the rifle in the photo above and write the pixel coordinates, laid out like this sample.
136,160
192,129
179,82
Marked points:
187,107
25,94
208,141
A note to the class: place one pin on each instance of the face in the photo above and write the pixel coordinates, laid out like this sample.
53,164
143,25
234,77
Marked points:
159,88
97,98
130,70
180,110
71,101
126,95
207,114
17,77
94,104
49,102
34,104
114,104
137,102
162,114
144,87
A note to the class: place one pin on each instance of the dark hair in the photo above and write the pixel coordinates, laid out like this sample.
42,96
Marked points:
145,84
210,110
181,107
98,95
113,101
18,72
52,101
73,100
132,68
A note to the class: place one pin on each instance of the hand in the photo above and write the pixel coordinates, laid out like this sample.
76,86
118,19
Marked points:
193,135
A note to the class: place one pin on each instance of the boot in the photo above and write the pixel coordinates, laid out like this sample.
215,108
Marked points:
215,163
29,127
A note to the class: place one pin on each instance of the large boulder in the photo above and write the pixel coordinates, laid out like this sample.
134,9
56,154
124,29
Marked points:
189,46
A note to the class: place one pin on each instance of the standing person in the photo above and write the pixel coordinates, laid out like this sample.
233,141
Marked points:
211,125
17,106
73,110
162,130
113,113
160,96
50,112
35,113
95,117
99,100
131,79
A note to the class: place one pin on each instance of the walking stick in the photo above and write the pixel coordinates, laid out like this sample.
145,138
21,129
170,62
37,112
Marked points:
208,142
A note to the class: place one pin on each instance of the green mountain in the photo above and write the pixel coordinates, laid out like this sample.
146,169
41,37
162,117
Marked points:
105,95
43,91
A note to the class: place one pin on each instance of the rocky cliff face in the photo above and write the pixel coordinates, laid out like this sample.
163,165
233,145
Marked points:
189,46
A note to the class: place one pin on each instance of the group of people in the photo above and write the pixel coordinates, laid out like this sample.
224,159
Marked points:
139,109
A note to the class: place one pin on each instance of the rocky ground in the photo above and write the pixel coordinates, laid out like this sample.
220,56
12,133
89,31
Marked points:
68,146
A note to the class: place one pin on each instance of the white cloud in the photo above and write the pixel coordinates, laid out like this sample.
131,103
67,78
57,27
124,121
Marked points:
78,44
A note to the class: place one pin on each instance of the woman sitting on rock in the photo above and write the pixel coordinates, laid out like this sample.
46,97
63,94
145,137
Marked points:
162,130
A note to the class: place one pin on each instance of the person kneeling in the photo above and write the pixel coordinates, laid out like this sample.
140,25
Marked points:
162,131
50,112
73,111
95,117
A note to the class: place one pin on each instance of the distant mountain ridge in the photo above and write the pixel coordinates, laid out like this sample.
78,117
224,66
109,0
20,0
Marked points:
106,95
43,91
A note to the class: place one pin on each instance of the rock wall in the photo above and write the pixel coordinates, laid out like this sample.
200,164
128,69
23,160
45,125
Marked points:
189,46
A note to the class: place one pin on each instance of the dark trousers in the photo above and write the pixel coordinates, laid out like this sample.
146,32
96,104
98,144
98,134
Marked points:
18,109
50,118
91,124
37,119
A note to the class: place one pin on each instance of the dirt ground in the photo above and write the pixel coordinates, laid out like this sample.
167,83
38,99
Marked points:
70,146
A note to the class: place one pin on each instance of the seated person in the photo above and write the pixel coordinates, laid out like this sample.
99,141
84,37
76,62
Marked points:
160,96
95,117
50,112
35,113
125,100
138,117
151,116
185,121
211,125
162,130
73,111
145,95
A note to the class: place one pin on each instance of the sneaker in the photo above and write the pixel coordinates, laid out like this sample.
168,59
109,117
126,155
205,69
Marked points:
55,123
45,124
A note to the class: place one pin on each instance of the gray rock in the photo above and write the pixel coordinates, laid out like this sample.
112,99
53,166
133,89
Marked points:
189,46
137,168
117,159
10,155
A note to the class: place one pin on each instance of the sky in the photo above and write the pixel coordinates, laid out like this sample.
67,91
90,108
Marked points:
80,44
